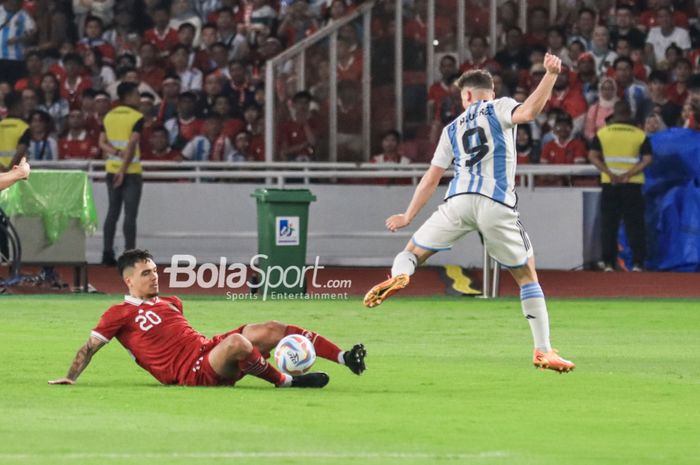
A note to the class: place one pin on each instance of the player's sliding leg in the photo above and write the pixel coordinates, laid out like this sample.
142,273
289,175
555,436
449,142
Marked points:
266,336
237,354
404,266
535,310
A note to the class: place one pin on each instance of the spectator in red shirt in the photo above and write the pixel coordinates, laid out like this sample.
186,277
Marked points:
478,49
647,19
297,136
159,147
678,89
93,39
88,109
441,89
349,65
34,72
103,105
564,149
391,141
538,20
298,23
74,84
185,126
569,99
151,71
222,107
78,143
161,35
147,106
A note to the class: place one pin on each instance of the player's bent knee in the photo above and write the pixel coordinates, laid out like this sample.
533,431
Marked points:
237,344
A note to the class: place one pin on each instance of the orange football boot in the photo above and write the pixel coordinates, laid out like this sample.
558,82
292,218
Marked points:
552,361
385,289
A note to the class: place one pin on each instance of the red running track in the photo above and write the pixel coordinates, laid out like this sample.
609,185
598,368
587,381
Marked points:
431,281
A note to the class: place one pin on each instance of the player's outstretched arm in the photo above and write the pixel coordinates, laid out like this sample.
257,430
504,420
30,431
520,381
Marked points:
81,361
17,172
425,189
533,105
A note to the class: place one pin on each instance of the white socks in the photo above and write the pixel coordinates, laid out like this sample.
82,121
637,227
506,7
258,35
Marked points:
404,263
535,311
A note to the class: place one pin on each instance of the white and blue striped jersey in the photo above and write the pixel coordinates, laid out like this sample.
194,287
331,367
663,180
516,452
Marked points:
480,143
14,26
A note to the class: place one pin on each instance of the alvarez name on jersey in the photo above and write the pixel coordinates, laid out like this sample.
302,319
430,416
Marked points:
480,143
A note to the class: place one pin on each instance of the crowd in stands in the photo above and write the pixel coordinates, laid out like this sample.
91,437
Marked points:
199,65
643,52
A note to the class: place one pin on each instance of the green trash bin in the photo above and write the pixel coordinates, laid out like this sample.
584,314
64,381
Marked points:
283,218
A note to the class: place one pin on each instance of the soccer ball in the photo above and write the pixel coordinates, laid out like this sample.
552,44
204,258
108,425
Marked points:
294,355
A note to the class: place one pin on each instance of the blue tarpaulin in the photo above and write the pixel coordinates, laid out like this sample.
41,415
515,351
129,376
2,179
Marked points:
672,196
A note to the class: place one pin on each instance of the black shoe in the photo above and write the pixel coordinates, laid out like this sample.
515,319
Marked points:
108,259
355,359
310,380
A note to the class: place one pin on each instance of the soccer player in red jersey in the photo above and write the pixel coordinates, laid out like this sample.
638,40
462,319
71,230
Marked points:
160,339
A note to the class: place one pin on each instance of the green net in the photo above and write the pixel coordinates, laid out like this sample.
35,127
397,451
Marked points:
56,196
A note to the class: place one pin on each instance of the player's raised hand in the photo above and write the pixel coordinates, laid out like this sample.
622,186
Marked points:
22,169
396,222
62,381
552,63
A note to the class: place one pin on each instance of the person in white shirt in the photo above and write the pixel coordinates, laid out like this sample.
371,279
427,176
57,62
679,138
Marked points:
666,33
480,145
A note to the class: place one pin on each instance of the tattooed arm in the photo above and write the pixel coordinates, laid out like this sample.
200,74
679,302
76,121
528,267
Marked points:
81,360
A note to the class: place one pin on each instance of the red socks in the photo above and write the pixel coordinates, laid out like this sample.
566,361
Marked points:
256,365
324,348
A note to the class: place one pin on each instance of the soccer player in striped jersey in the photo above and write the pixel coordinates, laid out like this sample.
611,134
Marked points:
480,144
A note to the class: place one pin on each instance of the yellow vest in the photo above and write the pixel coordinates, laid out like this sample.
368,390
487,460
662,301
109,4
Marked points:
11,131
621,145
119,124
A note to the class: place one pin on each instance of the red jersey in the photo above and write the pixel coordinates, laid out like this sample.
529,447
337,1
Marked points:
156,334
83,147
554,153
163,42
570,101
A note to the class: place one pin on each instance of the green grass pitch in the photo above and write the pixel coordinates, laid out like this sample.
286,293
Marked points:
449,380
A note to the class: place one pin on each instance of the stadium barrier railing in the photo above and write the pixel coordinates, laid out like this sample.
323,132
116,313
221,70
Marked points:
282,174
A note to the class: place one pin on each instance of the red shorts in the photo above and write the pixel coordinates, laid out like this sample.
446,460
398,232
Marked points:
201,373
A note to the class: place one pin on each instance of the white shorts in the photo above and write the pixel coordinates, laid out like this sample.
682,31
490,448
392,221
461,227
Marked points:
499,225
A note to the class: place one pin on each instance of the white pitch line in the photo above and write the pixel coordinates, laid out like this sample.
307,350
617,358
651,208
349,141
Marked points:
252,455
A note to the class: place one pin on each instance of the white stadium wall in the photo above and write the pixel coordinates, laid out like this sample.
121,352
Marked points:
213,220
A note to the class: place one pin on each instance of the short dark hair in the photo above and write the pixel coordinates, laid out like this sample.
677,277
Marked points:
565,119
448,57
477,37
392,132
126,88
586,10
625,6
658,75
13,100
131,257
303,95
477,79
94,19
619,60
186,25
73,57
